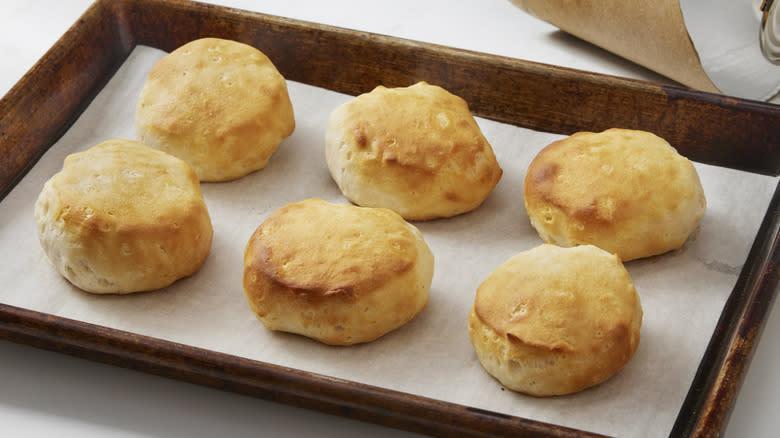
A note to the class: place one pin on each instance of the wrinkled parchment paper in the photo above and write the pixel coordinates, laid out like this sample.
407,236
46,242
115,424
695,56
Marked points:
682,292
708,45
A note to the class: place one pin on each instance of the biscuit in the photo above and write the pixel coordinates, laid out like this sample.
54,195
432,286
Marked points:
628,192
219,105
121,217
416,150
336,273
554,321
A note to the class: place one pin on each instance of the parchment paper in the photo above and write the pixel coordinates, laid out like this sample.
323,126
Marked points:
682,292
707,45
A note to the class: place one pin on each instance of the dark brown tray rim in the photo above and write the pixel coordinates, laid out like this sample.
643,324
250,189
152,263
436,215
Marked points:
112,28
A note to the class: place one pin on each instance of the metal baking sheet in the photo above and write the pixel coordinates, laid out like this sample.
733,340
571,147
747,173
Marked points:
687,294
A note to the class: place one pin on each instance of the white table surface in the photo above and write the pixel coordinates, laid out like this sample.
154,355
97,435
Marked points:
49,394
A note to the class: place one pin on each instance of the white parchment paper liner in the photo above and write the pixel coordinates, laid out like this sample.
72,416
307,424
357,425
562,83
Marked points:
682,292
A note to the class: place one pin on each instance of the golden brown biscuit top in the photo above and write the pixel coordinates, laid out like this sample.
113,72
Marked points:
593,176
560,299
211,86
123,182
320,248
423,127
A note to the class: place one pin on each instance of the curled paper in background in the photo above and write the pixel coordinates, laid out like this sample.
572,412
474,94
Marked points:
708,45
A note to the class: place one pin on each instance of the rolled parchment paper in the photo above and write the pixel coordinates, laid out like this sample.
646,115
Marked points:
707,48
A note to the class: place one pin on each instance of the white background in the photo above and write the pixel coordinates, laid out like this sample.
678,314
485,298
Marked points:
43,393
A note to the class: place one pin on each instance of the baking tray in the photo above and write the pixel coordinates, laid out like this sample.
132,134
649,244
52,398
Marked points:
708,128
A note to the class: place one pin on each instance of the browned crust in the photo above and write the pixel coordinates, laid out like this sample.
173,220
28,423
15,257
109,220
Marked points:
320,249
626,191
419,145
218,104
133,217
181,105
422,127
563,300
